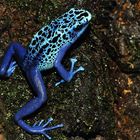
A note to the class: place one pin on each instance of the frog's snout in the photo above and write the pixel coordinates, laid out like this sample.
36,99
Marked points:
89,16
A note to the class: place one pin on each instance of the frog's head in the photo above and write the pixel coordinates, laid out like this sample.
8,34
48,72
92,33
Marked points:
71,25
81,18
78,19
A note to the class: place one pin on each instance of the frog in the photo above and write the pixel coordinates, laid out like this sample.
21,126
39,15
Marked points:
45,51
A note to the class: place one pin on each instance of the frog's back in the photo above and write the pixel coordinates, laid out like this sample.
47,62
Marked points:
47,42
40,49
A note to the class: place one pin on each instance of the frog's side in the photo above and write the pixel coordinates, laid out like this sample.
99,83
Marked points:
45,51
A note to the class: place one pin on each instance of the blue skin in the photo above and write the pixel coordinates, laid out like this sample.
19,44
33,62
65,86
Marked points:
38,57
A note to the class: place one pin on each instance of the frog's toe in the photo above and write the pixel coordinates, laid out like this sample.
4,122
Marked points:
41,127
81,68
11,68
73,72
60,82
51,128
70,75
73,59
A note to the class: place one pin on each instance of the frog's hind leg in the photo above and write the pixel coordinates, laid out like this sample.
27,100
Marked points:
8,65
36,81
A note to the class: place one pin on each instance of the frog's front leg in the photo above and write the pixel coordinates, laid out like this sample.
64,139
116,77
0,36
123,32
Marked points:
35,79
8,65
66,75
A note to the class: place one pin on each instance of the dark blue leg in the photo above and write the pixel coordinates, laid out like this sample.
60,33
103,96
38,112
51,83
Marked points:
8,65
66,75
36,81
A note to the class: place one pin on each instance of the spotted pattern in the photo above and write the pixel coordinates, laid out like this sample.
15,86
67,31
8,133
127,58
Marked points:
47,42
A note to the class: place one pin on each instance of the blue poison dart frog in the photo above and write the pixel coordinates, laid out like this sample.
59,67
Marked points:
45,51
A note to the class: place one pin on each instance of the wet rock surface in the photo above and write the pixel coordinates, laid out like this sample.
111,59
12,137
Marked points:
101,103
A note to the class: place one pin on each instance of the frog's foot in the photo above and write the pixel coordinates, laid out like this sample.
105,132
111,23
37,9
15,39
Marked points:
72,72
40,127
11,68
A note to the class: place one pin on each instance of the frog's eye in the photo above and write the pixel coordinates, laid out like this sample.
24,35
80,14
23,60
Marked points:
78,28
